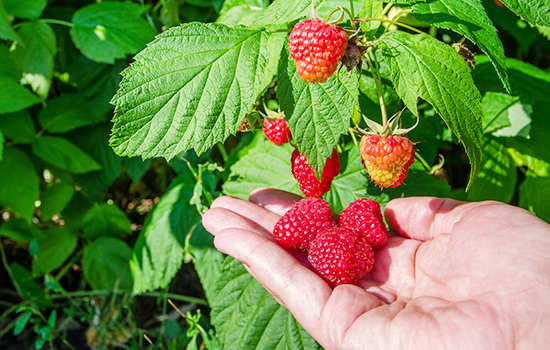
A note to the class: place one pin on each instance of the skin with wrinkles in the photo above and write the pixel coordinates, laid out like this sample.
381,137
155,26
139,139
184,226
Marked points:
454,276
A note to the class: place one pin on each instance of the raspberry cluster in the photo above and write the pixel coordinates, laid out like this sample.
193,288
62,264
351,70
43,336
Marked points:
341,252
277,131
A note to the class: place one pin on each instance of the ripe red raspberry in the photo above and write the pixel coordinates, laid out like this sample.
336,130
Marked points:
317,47
277,131
303,222
340,256
304,173
387,159
364,216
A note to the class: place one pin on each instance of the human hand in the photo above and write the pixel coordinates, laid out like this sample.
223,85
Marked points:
457,275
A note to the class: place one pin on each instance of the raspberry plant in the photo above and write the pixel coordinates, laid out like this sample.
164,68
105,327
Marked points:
92,217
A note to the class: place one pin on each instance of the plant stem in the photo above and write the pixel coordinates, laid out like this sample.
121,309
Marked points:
379,88
387,8
423,161
351,10
57,21
392,22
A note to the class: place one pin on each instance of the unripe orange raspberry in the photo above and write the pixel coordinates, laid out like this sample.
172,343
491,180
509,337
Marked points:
387,159
317,47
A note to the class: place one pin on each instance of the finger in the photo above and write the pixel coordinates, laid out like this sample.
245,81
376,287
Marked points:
312,302
218,219
274,200
424,218
262,217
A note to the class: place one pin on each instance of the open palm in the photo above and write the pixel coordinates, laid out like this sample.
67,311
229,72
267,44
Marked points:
456,275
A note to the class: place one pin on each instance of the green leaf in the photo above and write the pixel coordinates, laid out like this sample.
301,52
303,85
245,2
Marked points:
64,154
370,9
528,82
56,198
467,17
136,167
25,8
94,141
19,185
18,126
284,11
1,144
66,113
110,30
7,64
6,31
247,317
26,286
54,249
329,5
520,121
417,183
241,14
509,21
352,182
98,83
21,322
206,259
159,251
317,114
266,165
495,109
13,96
184,93
105,220
35,58
532,195
105,264
533,11
538,167
497,177
424,67
19,230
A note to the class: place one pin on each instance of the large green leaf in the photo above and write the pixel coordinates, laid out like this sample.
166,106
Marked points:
159,251
25,8
467,17
105,264
422,67
190,88
370,9
20,230
58,244
19,185
110,30
62,153
13,96
284,11
317,114
35,58
266,165
247,317
497,177
528,82
18,127
533,11
6,31
533,195
105,220
7,64
66,113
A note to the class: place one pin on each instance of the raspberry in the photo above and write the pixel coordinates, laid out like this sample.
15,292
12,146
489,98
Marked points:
303,222
365,217
277,131
304,173
317,47
341,256
387,159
